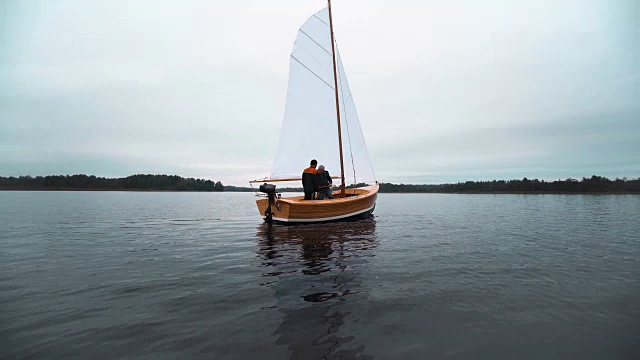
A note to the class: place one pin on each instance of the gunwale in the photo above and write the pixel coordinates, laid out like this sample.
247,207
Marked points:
297,210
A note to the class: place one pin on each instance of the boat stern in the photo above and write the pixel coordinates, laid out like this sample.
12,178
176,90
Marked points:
283,212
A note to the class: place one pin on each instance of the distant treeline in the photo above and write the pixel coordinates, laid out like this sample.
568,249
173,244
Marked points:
133,182
594,184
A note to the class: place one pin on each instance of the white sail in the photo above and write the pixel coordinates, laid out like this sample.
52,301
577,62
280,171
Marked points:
357,164
309,128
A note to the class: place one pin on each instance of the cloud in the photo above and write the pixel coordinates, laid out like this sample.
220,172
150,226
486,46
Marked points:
605,144
445,91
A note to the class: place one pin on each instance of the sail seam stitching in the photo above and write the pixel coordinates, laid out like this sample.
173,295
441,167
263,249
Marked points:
311,71
322,21
310,38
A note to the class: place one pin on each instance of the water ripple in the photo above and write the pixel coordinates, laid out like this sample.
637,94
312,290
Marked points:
194,275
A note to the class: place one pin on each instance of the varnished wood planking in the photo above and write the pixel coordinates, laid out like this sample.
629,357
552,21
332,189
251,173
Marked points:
330,208
296,208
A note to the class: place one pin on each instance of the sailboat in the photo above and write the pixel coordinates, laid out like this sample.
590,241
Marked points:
320,122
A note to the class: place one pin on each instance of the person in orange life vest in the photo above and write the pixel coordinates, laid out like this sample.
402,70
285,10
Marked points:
308,181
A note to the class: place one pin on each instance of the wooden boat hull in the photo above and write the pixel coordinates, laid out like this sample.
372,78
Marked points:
295,210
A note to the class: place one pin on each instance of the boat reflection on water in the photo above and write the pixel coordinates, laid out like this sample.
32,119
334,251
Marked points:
315,272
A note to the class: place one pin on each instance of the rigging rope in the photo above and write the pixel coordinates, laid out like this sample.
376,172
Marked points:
363,144
344,107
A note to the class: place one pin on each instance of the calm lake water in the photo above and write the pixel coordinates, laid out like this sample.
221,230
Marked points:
197,275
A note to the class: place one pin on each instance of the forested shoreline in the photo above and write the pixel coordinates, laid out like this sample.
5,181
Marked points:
85,182
594,184
141,182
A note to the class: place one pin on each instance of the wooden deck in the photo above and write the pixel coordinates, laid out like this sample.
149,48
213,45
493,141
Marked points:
297,210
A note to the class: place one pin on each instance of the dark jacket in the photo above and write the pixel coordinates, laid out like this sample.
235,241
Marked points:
308,180
323,180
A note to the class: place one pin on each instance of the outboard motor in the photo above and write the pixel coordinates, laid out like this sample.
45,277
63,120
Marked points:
270,190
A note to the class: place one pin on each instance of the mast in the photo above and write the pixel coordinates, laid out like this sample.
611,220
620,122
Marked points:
335,85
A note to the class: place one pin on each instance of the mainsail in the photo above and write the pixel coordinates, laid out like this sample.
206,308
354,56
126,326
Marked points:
309,128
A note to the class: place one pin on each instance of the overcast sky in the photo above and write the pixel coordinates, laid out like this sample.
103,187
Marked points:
445,90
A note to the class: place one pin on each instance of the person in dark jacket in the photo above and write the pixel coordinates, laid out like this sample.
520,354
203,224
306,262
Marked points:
323,183
308,180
